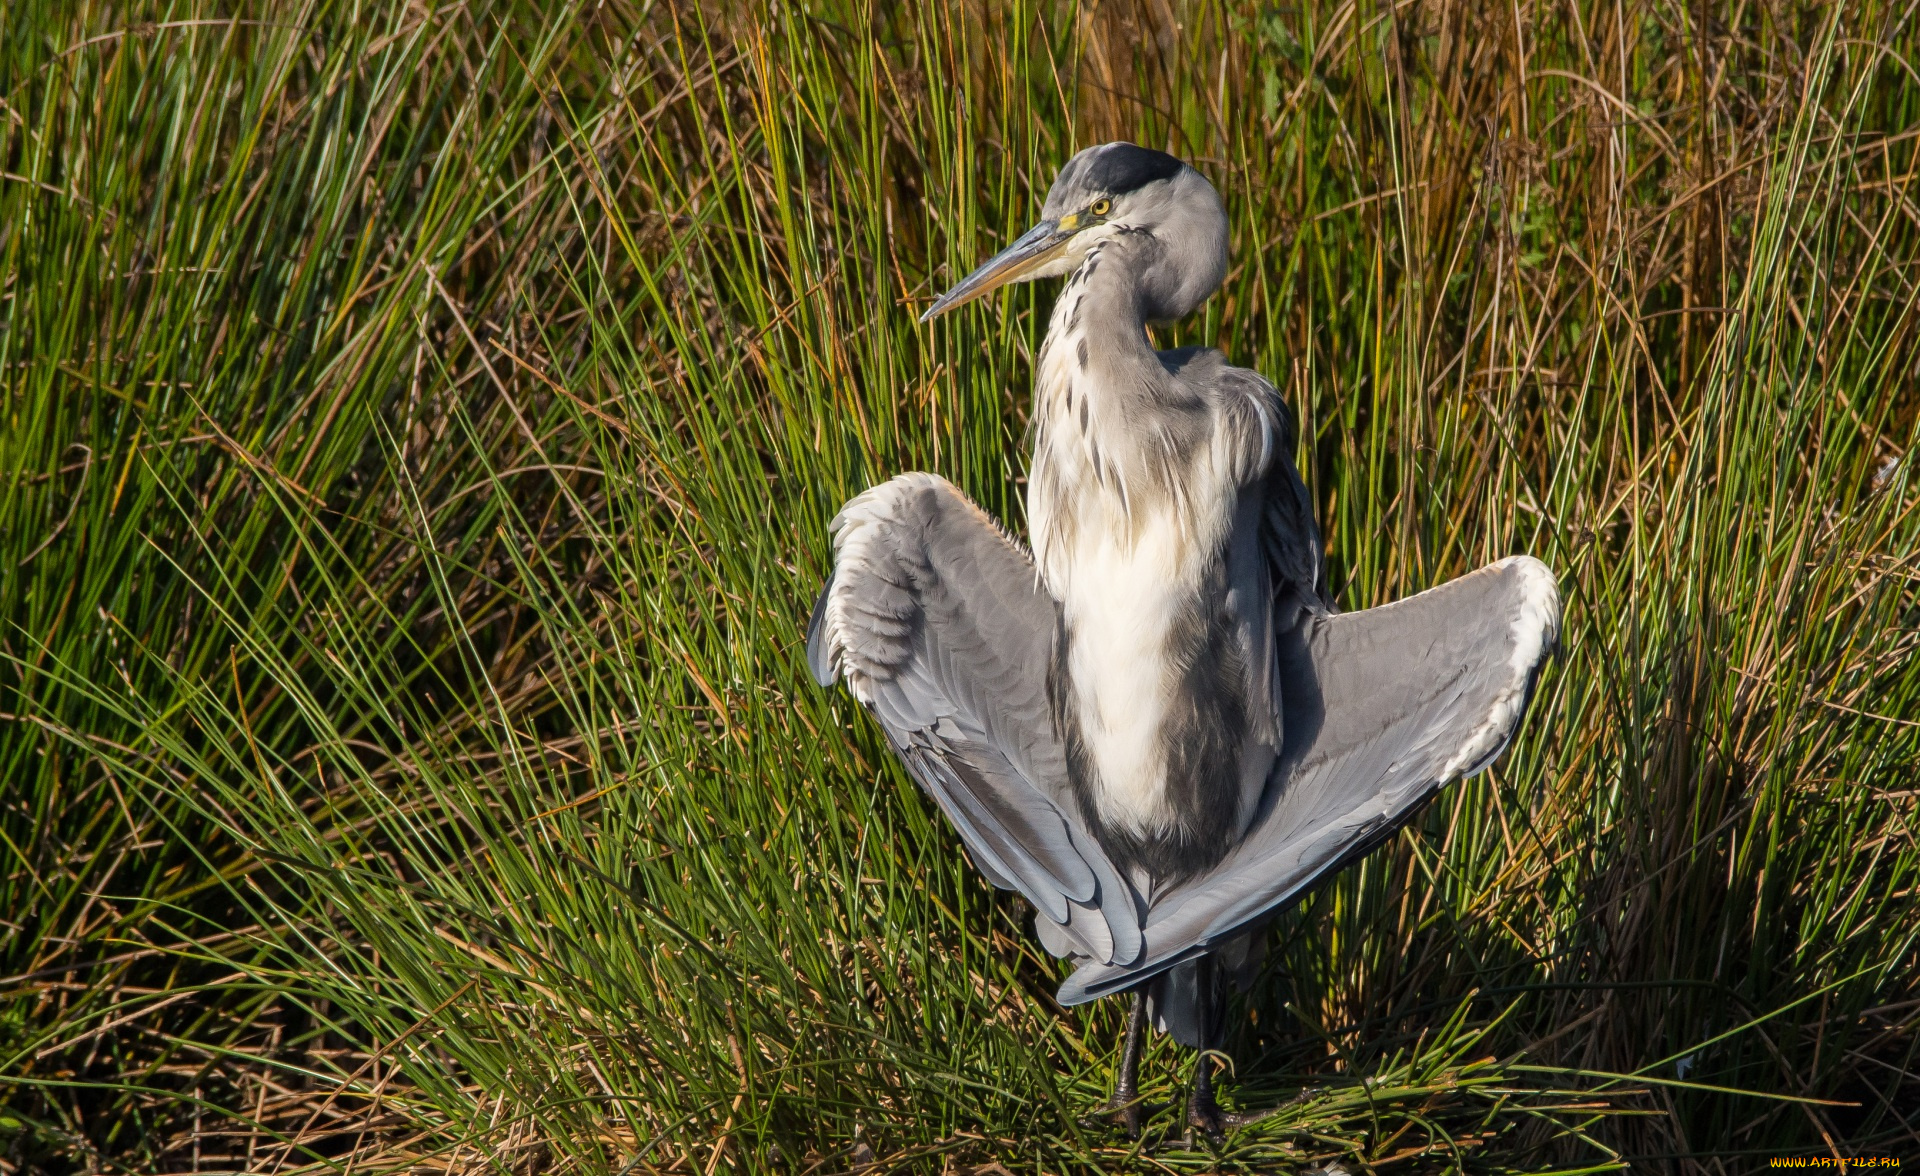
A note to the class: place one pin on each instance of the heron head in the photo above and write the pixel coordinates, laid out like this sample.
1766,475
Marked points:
1113,190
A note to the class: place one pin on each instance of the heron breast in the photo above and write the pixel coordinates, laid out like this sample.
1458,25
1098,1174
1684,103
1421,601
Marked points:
1126,594
1128,514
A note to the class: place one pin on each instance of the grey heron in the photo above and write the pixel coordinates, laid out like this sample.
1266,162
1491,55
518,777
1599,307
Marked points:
1155,726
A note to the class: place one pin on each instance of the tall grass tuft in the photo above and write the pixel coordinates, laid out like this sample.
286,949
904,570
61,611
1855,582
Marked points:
422,422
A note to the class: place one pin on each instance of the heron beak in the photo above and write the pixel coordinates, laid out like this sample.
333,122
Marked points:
1035,248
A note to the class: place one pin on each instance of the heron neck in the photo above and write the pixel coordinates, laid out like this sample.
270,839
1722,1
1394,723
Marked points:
1100,326
1100,391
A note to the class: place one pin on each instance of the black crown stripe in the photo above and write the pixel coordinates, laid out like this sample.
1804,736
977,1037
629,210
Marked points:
1123,167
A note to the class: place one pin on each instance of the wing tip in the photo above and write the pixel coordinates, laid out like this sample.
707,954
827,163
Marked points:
822,656
1073,990
1534,629
1536,623
1093,979
856,529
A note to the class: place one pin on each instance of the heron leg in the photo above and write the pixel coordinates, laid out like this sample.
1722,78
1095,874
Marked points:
1203,1113
1125,1104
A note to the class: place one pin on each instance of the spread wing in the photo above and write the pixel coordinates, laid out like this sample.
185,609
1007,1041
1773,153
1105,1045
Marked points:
941,628
1382,708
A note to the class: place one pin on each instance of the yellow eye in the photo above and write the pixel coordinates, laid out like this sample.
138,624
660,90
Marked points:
1101,207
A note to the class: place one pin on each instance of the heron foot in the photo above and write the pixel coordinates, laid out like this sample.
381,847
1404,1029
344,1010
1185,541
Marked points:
1204,1114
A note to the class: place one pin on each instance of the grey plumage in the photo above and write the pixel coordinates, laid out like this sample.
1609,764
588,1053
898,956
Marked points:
937,622
1154,726
1382,708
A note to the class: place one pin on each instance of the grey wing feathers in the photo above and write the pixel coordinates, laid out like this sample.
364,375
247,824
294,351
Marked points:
1383,707
1264,430
1274,551
939,626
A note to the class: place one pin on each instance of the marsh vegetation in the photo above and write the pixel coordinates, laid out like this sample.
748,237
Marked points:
421,426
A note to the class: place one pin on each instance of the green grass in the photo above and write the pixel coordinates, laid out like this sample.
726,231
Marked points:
421,425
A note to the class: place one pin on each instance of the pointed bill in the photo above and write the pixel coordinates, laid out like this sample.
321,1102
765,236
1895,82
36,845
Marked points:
1035,248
